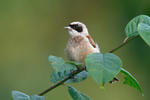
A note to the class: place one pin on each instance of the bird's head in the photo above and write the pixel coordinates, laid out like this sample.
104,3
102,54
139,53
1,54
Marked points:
77,28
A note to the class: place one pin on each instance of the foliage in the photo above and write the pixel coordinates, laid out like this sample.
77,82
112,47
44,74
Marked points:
130,80
144,31
139,25
56,77
62,69
76,95
132,27
22,96
102,67
59,65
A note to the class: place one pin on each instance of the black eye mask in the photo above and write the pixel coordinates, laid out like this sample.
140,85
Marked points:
76,27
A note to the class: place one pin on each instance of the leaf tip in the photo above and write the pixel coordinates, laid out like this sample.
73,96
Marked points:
102,86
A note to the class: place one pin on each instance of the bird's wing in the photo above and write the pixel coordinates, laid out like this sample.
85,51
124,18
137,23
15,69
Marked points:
91,41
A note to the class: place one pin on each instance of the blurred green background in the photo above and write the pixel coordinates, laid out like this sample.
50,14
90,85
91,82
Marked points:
31,30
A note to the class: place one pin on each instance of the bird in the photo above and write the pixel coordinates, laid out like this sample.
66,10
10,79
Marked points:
80,43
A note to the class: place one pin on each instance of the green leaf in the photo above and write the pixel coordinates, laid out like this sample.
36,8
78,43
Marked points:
20,96
59,65
78,77
103,67
63,69
59,76
36,97
144,31
76,95
132,27
130,80
74,63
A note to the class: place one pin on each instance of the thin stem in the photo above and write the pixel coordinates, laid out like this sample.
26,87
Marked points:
61,82
125,41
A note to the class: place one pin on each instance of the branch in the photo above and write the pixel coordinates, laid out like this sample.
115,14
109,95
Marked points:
61,82
125,41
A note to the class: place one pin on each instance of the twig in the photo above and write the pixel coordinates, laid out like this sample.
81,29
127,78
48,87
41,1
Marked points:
61,82
125,41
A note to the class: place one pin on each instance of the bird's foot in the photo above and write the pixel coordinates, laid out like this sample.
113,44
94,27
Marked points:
114,80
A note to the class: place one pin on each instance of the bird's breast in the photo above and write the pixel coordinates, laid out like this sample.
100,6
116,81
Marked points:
78,48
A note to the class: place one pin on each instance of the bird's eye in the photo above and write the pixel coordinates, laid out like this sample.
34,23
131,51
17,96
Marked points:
76,27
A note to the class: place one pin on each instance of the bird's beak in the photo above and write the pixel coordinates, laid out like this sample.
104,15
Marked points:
68,27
